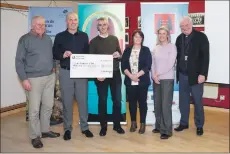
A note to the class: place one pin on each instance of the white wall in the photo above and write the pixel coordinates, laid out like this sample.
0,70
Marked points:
217,30
11,90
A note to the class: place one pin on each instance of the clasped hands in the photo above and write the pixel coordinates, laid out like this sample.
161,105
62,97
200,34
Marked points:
134,77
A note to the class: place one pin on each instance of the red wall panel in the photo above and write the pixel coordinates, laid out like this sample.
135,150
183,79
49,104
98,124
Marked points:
217,102
133,11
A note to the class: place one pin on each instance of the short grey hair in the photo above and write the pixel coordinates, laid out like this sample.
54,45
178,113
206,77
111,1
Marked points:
34,18
186,18
168,34
71,13
103,19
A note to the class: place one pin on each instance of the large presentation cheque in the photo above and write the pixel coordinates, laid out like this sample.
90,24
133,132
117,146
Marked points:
91,66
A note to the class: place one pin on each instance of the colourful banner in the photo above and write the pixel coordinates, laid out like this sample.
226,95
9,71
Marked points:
55,18
88,15
153,16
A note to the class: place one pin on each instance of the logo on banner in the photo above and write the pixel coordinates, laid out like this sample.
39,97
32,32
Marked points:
63,13
167,20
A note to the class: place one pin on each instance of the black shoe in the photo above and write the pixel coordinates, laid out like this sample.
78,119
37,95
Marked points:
119,130
133,126
181,128
87,133
199,131
50,134
103,131
37,143
156,131
67,135
165,136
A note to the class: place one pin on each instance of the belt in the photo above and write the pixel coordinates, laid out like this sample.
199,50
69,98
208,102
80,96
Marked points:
64,67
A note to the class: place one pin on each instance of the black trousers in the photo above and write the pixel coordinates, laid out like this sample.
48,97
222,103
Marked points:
138,94
102,89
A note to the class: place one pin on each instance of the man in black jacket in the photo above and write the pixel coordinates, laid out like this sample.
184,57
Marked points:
68,42
192,71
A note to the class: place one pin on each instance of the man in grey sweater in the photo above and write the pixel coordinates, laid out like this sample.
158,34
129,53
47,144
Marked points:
35,68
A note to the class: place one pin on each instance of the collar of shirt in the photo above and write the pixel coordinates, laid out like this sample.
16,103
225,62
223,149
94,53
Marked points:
77,32
103,36
36,34
186,36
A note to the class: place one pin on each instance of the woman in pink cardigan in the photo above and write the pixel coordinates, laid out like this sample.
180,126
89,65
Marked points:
163,62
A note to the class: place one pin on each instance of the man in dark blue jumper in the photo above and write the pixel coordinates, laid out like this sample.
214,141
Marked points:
72,41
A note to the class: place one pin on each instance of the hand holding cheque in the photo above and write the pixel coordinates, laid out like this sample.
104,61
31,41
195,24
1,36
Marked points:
115,55
67,54
91,66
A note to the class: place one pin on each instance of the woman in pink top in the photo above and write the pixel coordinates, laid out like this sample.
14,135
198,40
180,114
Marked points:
163,62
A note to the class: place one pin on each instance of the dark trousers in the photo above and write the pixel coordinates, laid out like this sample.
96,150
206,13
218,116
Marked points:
137,94
102,89
163,97
184,101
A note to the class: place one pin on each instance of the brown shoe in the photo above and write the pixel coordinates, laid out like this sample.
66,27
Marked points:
133,126
142,128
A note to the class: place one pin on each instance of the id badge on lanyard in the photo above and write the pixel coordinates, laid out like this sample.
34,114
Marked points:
185,58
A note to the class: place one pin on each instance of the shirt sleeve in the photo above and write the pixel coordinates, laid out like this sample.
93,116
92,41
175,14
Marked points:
118,46
171,61
148,62
20,59
57,51
205,57
153,68
118,49
86,45
92,49
124,61
54,61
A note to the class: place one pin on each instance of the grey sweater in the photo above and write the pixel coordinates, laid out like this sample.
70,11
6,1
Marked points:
34,57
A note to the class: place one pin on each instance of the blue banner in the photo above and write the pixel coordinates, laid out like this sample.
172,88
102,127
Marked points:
153,16
55,18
